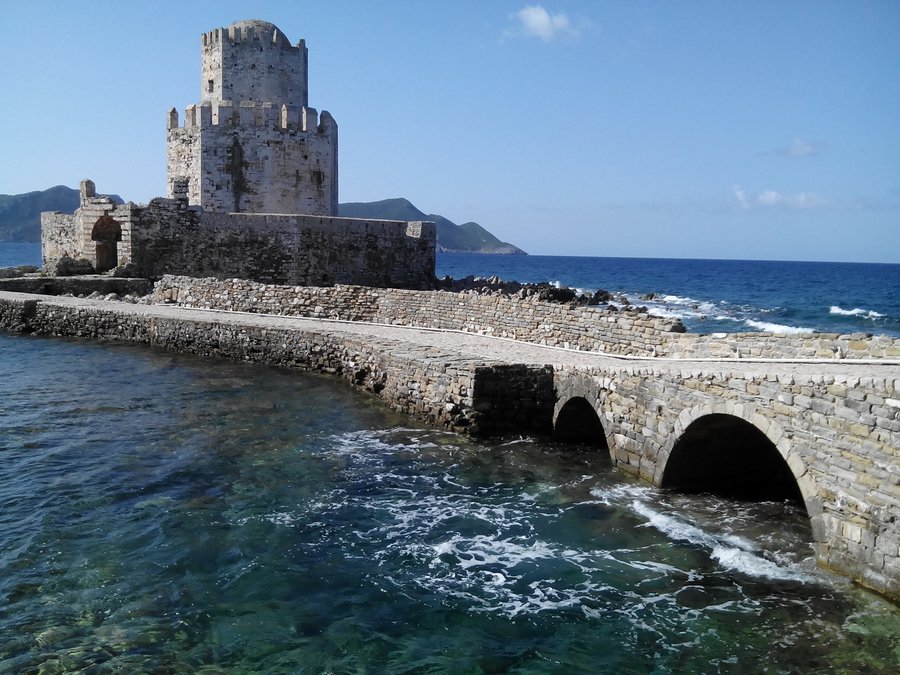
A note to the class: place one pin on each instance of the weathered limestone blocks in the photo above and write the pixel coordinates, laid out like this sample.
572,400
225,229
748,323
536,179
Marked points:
585,328
169,237
769,346
253,145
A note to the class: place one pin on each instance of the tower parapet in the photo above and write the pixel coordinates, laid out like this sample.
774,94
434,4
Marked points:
253,61
253,144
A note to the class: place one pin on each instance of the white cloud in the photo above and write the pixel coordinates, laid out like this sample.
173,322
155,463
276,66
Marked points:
535,21
800,200
769,198
773,198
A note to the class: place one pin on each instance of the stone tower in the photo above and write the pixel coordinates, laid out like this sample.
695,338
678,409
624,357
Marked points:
252,144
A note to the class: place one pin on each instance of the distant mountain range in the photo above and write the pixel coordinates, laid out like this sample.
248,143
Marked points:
20,219
466,238
20,215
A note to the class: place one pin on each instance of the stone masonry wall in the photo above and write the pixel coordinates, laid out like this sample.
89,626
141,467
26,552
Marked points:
255,158
59,236
64,235
169,237
584,328
790,346
174,239
429,384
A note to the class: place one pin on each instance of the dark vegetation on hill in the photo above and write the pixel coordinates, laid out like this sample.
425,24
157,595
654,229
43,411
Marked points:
20,215
466,238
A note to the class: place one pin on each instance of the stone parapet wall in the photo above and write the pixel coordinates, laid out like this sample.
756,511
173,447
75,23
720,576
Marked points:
169,237
787,346
521,318
283,249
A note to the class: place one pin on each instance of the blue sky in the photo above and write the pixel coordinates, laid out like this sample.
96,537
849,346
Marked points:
663,129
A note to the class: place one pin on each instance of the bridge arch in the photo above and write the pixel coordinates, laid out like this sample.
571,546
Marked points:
577,416
731,449
577,421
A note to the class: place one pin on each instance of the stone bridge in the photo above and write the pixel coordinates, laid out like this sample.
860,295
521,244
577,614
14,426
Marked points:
823,433
824,436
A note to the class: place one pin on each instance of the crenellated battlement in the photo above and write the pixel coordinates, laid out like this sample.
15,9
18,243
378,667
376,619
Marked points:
255,33
253,114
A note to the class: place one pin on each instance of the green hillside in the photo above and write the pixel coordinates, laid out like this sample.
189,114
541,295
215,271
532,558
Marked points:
468,237
20,215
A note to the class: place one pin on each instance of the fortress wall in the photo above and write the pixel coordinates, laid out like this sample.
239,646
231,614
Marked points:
60,236
557,324
285,249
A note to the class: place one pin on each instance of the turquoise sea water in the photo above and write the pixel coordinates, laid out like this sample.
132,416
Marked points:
168,514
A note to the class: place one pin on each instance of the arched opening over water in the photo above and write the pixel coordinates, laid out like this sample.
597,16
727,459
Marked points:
106,233
578,422
729,457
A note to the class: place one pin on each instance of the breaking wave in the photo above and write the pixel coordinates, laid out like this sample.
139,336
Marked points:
865,313
732,552
767,327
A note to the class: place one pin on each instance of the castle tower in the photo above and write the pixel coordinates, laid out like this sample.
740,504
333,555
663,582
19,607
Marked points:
252,144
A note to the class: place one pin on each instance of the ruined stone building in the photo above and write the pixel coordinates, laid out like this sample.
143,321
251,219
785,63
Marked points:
252,177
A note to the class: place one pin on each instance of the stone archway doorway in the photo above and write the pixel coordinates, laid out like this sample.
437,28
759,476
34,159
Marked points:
107,233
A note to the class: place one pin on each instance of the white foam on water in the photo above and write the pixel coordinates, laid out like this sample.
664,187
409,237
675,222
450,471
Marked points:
664,313
481,550
730,551
616,494
856,311
778,328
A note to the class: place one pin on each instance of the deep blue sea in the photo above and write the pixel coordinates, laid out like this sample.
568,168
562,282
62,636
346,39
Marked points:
719,295
162,513
709,296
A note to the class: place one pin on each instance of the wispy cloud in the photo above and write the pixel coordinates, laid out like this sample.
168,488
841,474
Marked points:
773,198
741,196
535,21
799,200
800,148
